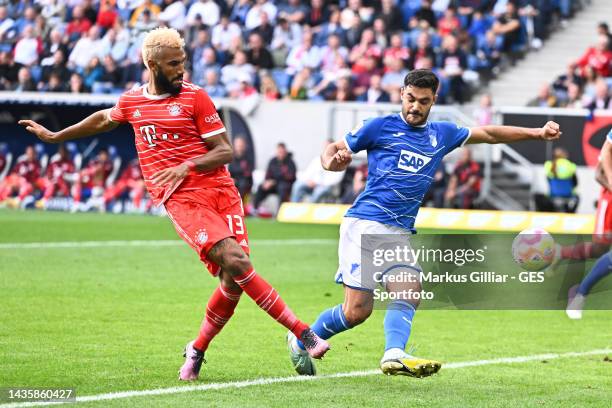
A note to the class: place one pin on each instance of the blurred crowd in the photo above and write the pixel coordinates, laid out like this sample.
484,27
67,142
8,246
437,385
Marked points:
307,50
587,82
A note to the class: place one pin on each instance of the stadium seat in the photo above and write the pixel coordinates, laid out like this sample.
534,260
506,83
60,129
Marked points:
43,157
116,159
76,156
9,160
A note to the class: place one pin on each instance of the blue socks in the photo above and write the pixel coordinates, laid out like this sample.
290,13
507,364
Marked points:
398,323
601,268
331,322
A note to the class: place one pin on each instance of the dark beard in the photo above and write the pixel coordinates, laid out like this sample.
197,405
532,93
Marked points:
165,86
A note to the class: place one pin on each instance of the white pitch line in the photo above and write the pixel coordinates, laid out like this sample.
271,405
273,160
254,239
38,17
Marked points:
295,378
152,243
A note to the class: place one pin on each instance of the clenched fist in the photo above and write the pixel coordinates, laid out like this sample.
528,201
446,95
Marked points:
550,131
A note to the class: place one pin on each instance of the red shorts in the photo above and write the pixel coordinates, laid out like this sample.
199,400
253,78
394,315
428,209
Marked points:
603,219
206,216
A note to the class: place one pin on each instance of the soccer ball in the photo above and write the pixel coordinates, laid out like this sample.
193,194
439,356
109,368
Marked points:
533,249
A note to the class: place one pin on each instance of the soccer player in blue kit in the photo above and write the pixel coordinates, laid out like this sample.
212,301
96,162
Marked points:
404,150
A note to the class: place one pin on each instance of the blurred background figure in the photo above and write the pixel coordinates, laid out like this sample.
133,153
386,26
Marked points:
562,182
241,170
464,183
316,182
279,178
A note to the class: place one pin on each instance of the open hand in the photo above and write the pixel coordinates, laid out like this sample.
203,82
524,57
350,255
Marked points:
171,175
550,131
40,131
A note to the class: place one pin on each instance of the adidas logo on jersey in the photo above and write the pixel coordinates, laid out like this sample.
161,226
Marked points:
136,113
244,243
412,162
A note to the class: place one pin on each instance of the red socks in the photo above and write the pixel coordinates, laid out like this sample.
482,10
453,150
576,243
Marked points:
219,309
270,301
579,251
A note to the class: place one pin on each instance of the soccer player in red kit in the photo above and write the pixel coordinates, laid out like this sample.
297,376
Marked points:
23,178
60,170
183,149
130,179
93,177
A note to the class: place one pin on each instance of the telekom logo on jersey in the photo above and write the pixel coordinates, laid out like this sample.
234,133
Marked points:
412,162
149,135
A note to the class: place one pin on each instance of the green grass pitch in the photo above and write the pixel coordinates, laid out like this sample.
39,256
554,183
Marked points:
110,319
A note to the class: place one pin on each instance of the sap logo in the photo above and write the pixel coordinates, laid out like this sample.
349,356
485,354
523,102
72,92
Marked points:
412,162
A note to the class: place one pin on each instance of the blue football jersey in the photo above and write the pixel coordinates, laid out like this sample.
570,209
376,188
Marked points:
402,161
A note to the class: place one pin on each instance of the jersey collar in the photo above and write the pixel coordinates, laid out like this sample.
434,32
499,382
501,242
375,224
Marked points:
147,95
424,125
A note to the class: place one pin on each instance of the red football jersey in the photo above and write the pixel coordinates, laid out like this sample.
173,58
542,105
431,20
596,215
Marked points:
30,170
170,129
132,172
57,169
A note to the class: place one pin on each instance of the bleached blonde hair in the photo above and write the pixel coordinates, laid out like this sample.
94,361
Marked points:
158,38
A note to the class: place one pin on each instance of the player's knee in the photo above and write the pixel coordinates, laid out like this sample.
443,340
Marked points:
236,262
357,314
228,282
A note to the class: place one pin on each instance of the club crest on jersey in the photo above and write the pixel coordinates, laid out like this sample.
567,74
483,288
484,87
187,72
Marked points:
201,236
433,140
412,162
174,109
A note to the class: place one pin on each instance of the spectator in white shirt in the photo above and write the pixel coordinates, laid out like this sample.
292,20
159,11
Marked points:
174,15
315,181
253,17
223,33
208,10
28,48
87,47
239,68
6,23
286,35
304,55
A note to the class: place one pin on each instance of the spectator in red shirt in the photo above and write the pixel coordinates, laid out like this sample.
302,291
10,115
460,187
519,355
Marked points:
396,50
599,58
107,15
464,184
449,24
78,25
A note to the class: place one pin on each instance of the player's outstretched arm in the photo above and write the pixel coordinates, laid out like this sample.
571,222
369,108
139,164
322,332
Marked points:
509,134
336,156
95,123
219,154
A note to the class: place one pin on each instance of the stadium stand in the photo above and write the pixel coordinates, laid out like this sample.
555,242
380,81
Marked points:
587,83
93,46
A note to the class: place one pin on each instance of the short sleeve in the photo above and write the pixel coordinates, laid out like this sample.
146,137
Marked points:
118,113
208,122
363,136
454,136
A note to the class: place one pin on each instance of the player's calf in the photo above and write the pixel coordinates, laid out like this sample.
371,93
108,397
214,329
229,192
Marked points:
230,256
